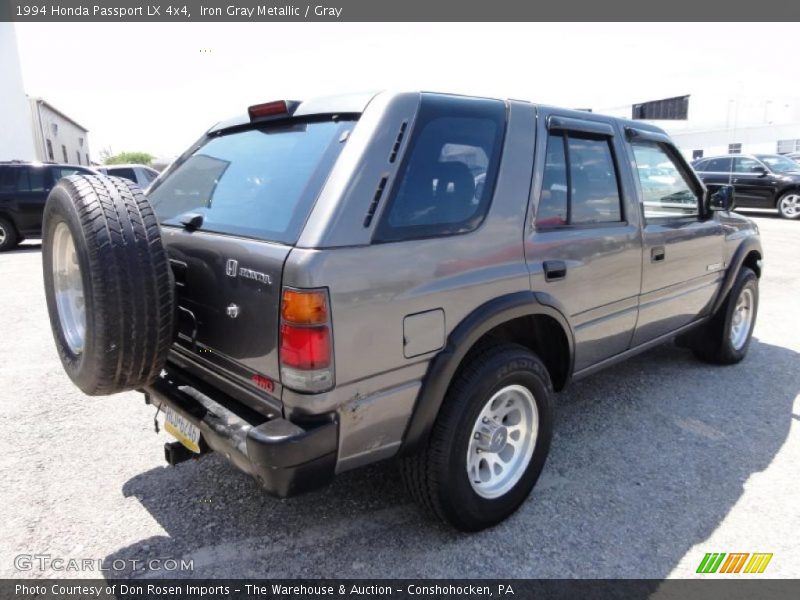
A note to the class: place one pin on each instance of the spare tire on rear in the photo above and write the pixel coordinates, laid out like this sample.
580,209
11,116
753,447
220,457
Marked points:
108,283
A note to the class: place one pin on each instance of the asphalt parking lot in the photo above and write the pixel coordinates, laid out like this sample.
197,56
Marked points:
653,464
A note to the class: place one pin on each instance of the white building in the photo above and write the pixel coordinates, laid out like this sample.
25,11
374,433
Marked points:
32,129
57,137
16,141
706,124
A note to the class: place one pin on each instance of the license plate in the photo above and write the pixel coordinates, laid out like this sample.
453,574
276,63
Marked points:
182,429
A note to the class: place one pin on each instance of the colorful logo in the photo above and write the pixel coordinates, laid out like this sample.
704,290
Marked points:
734,562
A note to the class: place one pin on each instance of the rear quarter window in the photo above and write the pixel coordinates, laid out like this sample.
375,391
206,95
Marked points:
446,180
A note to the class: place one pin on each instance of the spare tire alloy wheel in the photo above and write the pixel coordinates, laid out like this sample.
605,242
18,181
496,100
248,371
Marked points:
108,283
68,288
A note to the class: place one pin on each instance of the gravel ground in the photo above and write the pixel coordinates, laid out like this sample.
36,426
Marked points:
654,463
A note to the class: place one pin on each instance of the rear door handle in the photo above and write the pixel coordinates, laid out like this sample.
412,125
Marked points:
657,254
554,270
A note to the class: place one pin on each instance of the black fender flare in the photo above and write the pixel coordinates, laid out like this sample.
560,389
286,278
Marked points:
443,366
747,245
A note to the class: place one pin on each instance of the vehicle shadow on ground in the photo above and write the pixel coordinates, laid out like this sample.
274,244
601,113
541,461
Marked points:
27,247
648,458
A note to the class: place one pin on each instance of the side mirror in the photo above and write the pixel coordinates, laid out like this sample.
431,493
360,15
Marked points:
720,198
760,170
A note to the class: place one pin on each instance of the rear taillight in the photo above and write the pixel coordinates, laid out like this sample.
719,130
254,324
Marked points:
306,344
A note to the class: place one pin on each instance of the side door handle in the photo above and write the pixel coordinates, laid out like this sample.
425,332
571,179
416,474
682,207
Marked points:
658,254
554,270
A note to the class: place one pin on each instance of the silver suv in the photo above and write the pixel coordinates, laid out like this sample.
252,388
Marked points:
316,286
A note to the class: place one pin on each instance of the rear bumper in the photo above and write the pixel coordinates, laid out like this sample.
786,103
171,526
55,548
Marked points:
285,458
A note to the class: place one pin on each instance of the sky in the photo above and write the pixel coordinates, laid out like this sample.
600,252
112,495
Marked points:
157,87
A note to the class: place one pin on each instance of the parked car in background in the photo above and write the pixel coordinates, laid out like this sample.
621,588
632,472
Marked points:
760,180
140,174
24,187
795,156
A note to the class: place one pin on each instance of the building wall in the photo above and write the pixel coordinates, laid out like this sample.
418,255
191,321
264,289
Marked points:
715,121
756,139
64,136
16,141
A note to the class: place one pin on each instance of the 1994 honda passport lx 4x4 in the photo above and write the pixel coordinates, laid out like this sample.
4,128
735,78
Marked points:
316,286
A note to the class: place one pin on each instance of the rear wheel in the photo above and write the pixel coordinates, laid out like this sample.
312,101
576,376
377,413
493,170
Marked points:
107,282
8,235
789,205
490,440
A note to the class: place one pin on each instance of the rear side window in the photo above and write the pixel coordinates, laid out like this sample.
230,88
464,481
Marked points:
718,165
8,181
593,181
579,182
124,173
552,209
31,180
257,182
444,185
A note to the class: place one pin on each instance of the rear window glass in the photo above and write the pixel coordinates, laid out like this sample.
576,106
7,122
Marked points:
445,183
259,183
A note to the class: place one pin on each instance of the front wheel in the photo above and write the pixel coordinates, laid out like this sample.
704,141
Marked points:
724,340
490,440
789,205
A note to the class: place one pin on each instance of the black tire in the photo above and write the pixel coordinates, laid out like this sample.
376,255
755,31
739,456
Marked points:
712,343
126,282
9,237
788,205
437,478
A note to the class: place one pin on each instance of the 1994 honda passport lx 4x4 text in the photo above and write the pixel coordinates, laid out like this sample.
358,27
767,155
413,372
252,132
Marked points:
316,286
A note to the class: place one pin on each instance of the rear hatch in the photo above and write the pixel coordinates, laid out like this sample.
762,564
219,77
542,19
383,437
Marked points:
231,209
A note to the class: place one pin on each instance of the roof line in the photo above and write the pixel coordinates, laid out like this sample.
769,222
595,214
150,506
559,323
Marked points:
40,100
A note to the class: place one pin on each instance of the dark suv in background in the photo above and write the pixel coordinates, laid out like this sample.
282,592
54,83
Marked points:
760,180
23,191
